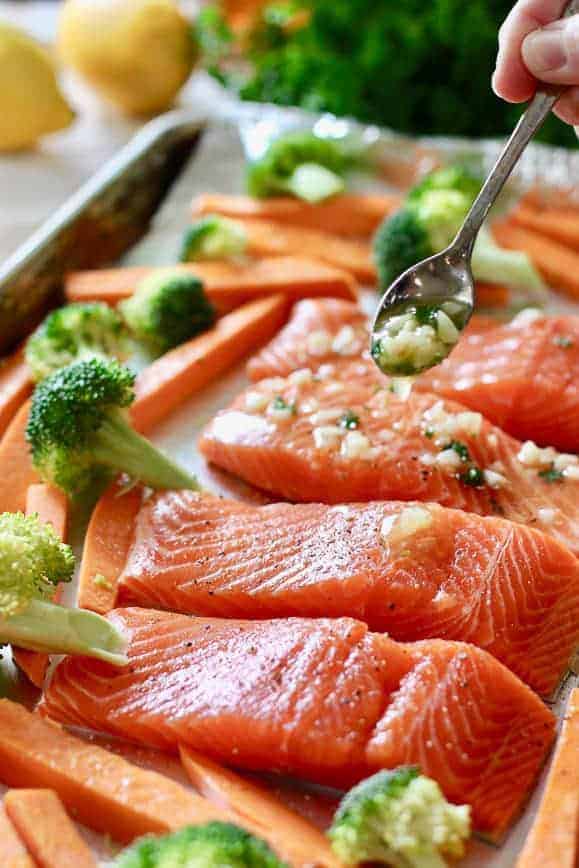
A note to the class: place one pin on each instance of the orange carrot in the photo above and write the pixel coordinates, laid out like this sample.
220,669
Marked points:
553,841
228,284
98,788
558,264
106,544
561,226
16,470
492,295
180,373
15,387
13,853
291,835
47,830
352,215
51,505
266,238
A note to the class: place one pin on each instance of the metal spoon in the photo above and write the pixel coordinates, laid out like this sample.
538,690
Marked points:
447,277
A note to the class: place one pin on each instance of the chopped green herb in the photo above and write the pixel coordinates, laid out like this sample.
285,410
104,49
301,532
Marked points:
280,403
425,314
473,477
376,349
551,474
563,341
349,420
429,432
460,448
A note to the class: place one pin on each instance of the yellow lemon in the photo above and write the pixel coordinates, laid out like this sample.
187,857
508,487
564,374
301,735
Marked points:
31,104
135,53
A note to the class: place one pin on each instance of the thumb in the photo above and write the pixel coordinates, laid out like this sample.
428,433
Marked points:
552,53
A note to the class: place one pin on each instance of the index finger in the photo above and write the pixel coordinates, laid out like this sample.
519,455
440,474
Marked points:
511,80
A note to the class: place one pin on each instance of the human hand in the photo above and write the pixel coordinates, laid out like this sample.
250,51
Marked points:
535,44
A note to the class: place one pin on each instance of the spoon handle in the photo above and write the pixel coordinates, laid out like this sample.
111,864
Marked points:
534,115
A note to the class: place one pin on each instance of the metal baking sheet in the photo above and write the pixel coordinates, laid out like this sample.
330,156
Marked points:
121,205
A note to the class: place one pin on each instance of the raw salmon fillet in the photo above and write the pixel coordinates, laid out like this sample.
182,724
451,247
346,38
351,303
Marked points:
310,337
515,374
322,699
524,378
301,453
508,589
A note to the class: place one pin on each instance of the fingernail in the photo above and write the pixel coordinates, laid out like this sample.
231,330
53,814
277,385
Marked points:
544,51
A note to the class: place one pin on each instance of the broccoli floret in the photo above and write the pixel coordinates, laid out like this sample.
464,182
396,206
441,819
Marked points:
429,221
456,178
213,237
33,561
78,428
401,818
214,845
400,242
75,332
167,309
304,165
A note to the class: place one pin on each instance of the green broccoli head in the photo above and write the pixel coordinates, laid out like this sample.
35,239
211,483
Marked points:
429,220
33,561
456,178
78,429
304,165
168,308
401,818
74,332
400,242
214,845
213,237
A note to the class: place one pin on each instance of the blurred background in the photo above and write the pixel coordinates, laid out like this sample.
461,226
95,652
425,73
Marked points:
78,77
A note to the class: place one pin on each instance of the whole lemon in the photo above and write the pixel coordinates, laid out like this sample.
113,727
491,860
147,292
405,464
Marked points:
31,104
135,53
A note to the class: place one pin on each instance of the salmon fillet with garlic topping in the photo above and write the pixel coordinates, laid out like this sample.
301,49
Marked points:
340,437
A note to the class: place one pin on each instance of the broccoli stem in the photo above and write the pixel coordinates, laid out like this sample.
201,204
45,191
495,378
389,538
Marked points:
55,629
118,446
427,860
494,264
314,183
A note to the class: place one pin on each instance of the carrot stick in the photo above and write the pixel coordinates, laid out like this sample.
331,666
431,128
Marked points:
553,841
16,470
492,295
291,835
15,387
180,373
47,830
266,238
98,788
561,226
13,853
351,215
558,264
227,284
51,506
106,545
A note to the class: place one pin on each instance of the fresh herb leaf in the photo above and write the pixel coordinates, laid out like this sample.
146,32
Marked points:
461,449
473,477
563,341
425,314
551,474
349,420
280,403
